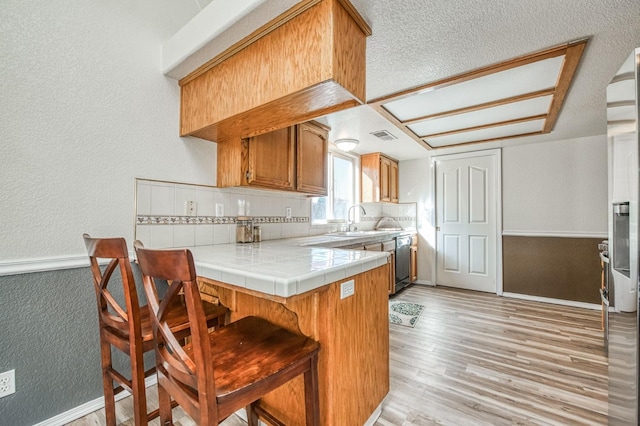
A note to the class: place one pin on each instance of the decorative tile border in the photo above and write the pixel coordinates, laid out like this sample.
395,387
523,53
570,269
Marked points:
377,218
212,220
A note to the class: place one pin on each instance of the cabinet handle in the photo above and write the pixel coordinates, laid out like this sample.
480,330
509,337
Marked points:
247,175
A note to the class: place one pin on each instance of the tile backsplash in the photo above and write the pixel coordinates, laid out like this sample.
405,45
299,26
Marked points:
162,220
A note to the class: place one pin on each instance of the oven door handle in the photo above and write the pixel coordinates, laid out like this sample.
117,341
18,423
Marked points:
604,295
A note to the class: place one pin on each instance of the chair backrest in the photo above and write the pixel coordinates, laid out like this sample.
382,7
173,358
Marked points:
196,372
110,312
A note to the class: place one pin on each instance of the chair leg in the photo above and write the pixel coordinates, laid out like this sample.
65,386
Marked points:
252,416
164,399
107,384
138,387
311,393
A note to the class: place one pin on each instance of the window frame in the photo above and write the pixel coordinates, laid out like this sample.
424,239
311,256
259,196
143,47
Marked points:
355,161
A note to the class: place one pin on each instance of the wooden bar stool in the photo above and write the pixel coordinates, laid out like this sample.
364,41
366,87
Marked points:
227,369
129,328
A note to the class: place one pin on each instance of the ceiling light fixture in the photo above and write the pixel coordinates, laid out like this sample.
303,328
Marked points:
346,145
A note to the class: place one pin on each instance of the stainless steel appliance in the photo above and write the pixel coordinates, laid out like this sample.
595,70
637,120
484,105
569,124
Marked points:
403,261
622,133
621,238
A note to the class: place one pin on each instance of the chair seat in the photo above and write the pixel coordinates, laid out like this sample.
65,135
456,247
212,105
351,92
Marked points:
178,321
262,348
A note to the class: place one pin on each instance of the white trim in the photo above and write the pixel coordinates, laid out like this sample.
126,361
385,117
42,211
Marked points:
210,22
497,154
89,407
560,234
28,266
573,303
374,416
423,282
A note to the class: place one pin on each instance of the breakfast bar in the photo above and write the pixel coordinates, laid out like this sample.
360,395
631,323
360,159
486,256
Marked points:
337,297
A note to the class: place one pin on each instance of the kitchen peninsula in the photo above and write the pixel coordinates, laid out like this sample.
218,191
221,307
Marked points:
337,297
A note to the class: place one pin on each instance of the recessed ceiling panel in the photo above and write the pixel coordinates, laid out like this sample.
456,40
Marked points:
501,113
492,133
516,81
515,98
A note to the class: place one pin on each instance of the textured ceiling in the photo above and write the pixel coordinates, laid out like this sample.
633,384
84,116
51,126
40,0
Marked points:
415,42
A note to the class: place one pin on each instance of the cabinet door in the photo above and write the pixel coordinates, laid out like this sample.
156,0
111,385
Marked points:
392,272
311,169
413,274
271,159
393,182
385,176
370,178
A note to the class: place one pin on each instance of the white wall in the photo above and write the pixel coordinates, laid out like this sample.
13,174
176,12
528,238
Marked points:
550,188
415,186
85,110
556,187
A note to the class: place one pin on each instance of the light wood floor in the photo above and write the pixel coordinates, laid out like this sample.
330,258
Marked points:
479,359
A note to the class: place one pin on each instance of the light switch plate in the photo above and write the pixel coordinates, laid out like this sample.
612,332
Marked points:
287,212
219,210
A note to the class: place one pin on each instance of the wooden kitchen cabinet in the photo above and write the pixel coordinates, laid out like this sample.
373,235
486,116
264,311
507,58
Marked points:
311,158
379,180
270,159
289,159
390,247
413,271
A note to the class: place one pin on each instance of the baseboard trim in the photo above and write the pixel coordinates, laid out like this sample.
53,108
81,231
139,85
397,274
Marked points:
423,282
573,303
374,416
89,407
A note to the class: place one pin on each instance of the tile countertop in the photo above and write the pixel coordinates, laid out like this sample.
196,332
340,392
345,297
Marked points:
285,267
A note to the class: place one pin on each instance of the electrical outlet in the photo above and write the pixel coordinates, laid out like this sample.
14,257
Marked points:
219,210
7,383
287,212
190,208
347,289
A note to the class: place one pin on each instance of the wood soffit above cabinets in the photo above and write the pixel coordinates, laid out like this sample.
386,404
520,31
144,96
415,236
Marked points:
519,97
306,63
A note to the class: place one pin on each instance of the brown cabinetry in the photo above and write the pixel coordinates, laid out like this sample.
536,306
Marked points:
413,271
290,159
390,247
379,180
308,62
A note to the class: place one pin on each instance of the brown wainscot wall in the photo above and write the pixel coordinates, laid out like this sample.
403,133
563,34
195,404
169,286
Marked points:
554,267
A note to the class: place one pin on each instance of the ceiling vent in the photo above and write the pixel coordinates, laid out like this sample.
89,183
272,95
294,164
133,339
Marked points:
383,135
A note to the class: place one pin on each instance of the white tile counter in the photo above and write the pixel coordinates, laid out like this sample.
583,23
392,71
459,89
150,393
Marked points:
280,267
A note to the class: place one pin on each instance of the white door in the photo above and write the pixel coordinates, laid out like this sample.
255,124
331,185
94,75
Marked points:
467,221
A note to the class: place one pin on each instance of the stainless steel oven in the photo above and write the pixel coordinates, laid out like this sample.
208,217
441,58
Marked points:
403,261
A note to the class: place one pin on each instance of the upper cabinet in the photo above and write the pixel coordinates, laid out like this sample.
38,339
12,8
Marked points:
379,180
308,62
289,159
311,158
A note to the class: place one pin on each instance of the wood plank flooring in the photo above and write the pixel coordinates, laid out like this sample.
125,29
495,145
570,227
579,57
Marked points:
478,359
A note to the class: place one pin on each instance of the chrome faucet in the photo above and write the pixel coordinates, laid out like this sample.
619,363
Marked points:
351,222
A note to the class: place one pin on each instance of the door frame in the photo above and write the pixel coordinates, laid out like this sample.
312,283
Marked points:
497,154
